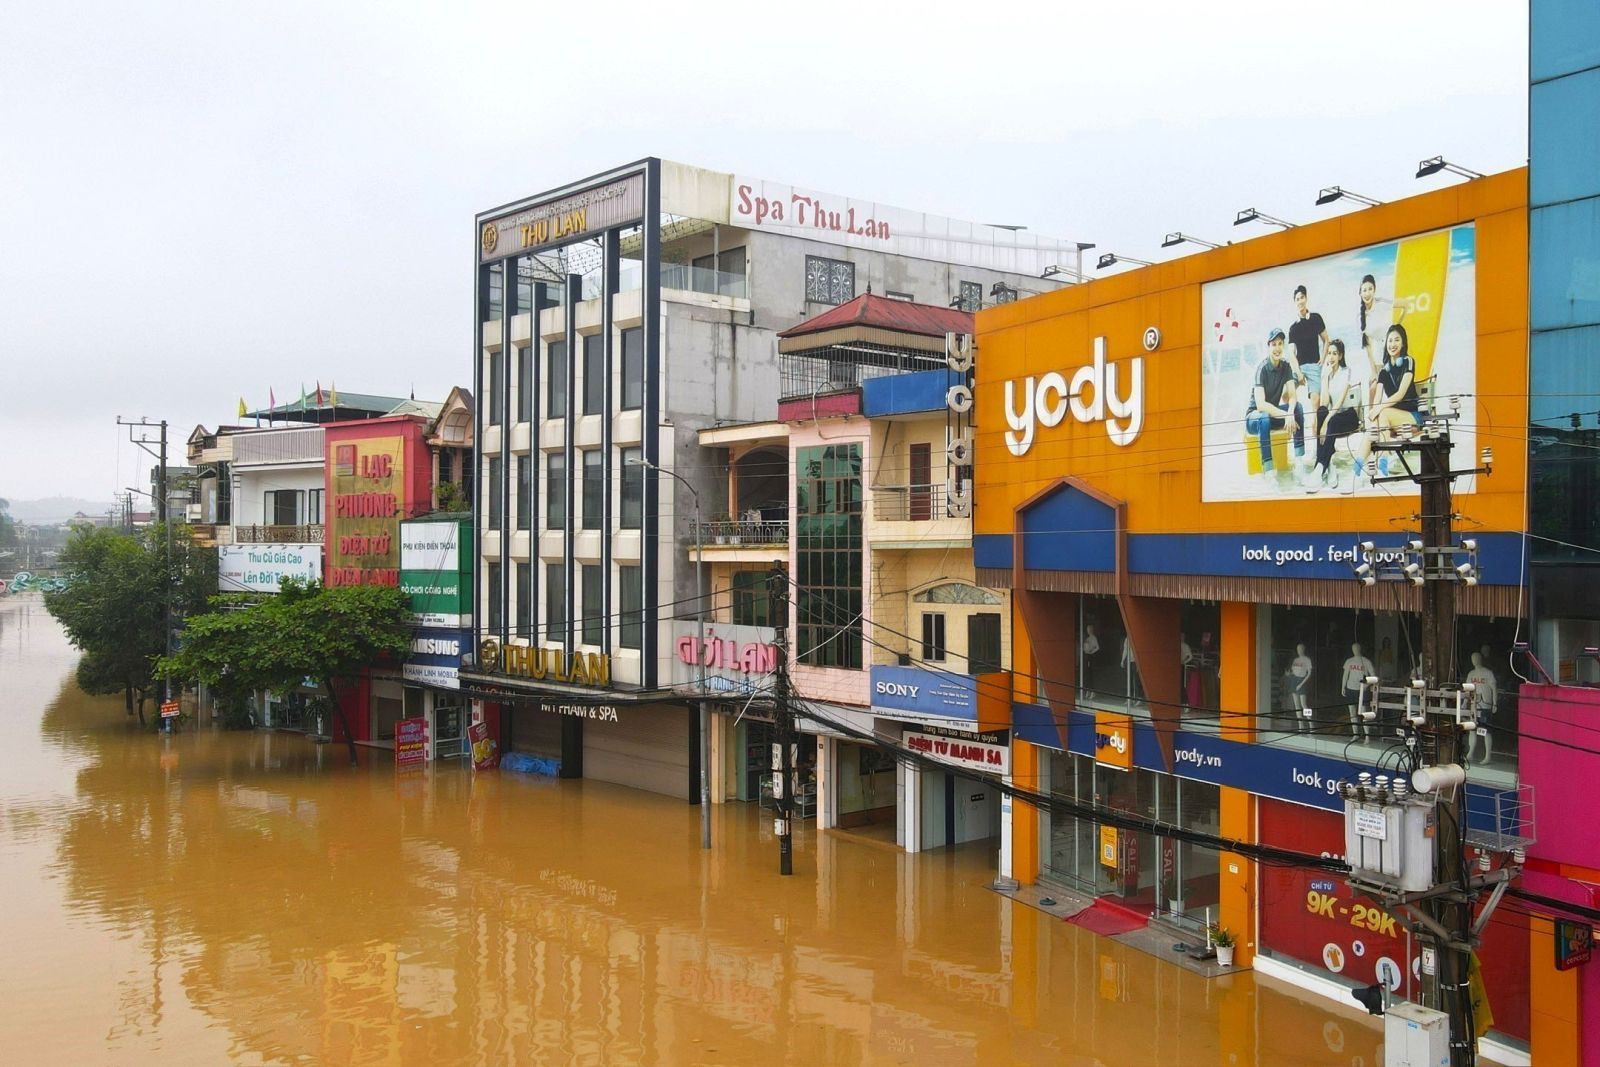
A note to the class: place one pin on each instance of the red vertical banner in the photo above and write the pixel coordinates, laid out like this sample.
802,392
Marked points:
485,750
410,741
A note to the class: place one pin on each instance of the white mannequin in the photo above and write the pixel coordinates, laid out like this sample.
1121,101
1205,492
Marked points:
1356,669
1300,687
1091,643
1486,698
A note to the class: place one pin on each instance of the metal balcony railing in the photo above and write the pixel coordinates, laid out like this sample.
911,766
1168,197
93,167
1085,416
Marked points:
742,532
910,503
303,534
807,374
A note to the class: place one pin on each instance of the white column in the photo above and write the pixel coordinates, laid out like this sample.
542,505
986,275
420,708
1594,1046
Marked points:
1005,830
911,810
827,803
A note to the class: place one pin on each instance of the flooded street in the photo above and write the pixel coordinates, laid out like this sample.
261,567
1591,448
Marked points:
250,898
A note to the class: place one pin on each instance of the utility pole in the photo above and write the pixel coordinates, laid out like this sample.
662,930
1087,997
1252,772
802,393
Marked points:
783,758
1441,711
1441,744
160,442
700,628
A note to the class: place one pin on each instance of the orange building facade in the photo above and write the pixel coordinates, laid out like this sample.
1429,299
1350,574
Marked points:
1174,477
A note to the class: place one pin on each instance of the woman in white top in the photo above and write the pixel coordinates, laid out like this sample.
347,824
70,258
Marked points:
1340,398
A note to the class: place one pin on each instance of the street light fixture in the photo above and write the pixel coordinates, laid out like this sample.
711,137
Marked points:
1339,192
1250,214
1429,167
1111,259
700,658
1178,237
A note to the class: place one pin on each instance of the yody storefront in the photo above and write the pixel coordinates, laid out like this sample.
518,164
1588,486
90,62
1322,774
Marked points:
1175,475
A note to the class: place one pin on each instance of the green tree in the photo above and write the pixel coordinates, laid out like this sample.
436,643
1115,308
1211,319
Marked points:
307,630
113,606
8,526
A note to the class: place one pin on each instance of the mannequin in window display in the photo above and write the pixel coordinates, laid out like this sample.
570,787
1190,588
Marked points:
1089,653
1300,670
1356,669
1130,686
1486,698
1191,698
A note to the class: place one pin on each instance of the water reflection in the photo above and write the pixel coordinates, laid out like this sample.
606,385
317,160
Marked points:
247,898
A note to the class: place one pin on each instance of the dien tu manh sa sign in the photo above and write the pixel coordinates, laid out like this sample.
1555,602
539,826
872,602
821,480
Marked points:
989,753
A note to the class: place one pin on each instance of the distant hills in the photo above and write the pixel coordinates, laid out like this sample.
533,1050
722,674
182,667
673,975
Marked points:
55,508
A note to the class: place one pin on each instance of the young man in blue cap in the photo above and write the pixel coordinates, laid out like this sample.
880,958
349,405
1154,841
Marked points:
1274,405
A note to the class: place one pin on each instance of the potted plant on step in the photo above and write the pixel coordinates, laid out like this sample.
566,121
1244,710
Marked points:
1222,941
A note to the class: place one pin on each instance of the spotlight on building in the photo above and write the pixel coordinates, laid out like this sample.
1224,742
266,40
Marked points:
1178,237
1055,268
1338,192
1250,214
1111,259
1429,167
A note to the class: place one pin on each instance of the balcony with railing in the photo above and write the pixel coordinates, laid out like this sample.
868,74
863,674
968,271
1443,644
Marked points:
273,534
751,539
835,370
919,516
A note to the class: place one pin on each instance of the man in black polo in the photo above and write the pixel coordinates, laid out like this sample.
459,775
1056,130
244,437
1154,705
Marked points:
1274,405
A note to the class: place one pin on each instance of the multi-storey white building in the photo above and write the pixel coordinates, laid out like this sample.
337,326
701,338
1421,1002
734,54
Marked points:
617,317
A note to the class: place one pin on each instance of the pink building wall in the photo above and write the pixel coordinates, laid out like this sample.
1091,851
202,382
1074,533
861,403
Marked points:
1560,725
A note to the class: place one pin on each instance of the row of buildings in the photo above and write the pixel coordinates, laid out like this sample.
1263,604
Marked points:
350,488
1093,540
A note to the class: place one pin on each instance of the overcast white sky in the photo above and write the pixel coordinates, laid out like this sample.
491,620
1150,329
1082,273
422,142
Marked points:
202,200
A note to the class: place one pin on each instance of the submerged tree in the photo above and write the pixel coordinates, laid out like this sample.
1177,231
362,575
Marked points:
114,604
306,630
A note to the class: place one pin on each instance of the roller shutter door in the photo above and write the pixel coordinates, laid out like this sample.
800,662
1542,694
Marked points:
647,749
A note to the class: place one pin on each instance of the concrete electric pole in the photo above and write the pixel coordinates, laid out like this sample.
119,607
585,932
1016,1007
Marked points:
783,776
1438,713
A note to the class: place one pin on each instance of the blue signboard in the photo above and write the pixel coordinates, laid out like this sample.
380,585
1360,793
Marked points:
1330,556
923,693
1259,767
435,657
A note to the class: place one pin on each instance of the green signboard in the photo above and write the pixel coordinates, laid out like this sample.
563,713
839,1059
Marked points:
436,570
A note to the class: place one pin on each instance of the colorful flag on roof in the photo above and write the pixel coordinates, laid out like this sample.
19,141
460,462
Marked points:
242,411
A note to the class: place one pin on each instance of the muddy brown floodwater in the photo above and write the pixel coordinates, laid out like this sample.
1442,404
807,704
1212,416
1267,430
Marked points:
250,898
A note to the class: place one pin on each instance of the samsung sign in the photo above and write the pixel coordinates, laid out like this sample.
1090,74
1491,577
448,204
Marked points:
435,658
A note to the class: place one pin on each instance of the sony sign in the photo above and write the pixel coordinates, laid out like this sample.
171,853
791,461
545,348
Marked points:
1047,400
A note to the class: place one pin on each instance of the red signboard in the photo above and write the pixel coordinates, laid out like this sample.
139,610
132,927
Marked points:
485,752
169,709
1314,917
1574,943
410,741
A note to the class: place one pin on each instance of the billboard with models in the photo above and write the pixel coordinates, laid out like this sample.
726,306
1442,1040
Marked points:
1304,366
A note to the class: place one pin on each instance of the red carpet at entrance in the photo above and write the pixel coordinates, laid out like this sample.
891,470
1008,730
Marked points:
1108,919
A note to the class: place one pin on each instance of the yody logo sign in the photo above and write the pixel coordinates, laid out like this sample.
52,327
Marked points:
1091,395
1113,740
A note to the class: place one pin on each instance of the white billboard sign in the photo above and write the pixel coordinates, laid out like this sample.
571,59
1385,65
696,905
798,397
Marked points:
260,568
767,205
